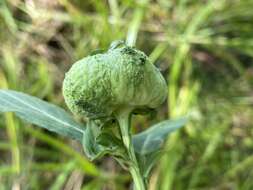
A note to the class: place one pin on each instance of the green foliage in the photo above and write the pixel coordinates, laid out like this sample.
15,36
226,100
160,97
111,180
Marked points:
152,139
98,140
41,113
203,49
113,85
99,85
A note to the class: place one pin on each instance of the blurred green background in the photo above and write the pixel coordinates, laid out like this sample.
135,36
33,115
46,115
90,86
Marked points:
204,50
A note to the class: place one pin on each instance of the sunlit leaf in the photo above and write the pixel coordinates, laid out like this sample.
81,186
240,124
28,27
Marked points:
41,113
154,137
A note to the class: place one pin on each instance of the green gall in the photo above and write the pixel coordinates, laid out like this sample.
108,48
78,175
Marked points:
102,84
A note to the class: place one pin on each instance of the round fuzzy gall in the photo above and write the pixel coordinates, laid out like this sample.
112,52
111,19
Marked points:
99,85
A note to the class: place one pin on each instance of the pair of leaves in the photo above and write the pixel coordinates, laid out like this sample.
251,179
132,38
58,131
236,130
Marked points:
54,118
98,141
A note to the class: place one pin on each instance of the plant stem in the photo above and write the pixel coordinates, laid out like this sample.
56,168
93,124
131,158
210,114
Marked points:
138,180
124,119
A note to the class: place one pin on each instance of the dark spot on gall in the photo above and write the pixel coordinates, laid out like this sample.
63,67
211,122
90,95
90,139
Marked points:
128,50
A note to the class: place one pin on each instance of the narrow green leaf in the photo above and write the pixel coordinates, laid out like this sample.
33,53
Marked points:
40,113
91,148
147,162
154,137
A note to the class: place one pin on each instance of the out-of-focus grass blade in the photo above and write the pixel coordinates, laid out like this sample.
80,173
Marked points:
93,185
8,18
85,165
60,180
6,170
157,52
208,153
11,128
136,22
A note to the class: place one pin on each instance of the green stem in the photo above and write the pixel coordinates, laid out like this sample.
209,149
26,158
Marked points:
124,119
138,180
